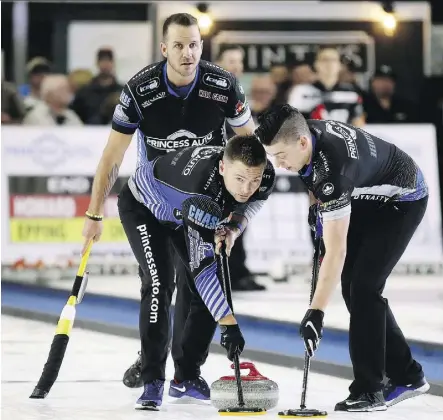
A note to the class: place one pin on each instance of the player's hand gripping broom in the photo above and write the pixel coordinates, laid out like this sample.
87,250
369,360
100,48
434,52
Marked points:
64,326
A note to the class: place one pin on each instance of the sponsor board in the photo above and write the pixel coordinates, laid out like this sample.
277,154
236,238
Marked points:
60,230
47,197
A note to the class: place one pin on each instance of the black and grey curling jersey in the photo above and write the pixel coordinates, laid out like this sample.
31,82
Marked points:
166,183
350,164
170,118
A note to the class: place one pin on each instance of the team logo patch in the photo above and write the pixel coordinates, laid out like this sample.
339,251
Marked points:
204,94
198,154
178,214
150,101
239,107
198,249
146,87
120,115
219,98
328,189
346,133
125,99
217,81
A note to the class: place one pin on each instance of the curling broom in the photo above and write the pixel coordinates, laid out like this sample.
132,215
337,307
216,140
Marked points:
61,337
241,409
303,411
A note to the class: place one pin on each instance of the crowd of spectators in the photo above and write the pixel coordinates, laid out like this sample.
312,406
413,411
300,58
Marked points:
84,98
75,99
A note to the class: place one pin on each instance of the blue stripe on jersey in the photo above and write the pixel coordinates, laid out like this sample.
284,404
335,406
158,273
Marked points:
124,124
211,292
142,154
158,197
421,188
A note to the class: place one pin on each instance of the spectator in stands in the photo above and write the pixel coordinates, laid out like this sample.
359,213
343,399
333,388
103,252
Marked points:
348,75
53,109
280,76
107,109
383,104
79,78
36,69
262,94
302,73
89,98
13,107
231,58
327,98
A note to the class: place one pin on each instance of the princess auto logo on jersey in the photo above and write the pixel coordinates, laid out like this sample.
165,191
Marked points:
348,134
146,87
217,81
198,154
179,139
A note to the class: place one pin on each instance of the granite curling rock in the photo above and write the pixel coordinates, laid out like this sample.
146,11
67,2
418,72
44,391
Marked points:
258,391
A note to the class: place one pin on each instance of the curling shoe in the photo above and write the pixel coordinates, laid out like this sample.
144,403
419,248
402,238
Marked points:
196,389
152,396
396,393
368,401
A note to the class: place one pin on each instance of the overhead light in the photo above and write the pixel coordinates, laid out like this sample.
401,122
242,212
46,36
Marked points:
389,20
205,21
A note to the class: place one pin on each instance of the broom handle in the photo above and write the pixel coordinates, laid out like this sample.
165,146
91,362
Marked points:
226,280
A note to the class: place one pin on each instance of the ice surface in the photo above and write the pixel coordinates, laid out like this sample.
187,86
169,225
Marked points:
89,385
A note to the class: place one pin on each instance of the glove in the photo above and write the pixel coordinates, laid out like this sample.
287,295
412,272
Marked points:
311,330
312,216
232,340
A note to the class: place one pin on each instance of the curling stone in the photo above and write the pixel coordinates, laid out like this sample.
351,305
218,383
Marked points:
258,391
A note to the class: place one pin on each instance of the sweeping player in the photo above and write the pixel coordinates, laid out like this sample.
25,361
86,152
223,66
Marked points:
182,101
372,197
167,201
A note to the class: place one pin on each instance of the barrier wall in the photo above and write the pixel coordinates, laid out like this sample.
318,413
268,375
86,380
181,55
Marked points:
47,176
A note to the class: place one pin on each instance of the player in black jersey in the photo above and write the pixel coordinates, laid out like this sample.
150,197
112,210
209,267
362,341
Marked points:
371,197
172,199
179,102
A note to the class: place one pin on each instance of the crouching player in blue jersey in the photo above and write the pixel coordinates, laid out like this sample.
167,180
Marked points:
180,198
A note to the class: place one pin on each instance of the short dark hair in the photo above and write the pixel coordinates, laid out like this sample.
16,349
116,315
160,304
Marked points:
229,47
182,19
246,149
282,122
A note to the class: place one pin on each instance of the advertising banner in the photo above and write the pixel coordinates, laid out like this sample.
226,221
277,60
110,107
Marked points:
47,176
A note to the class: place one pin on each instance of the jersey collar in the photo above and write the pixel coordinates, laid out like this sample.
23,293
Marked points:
168,86
307,169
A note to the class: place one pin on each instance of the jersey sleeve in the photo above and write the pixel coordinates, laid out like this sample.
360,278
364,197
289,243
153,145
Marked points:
238,112
200,221
334,194
126,118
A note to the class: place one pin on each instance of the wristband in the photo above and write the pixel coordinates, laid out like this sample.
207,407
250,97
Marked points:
95,217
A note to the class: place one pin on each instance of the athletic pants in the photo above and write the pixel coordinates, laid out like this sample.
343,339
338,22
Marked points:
151,244
378,236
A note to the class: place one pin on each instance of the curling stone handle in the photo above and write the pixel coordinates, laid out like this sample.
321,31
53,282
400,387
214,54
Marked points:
253,372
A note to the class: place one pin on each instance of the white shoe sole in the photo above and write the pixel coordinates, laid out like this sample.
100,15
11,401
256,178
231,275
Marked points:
409,394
